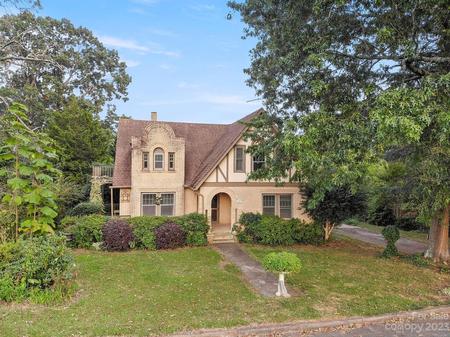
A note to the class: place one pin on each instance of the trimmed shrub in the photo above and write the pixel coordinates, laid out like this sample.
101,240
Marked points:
68,221
282,262
310,233
196,228
86,231
275,231
170,235
391,234
196,239
143,230
117,235
29,267
86,208
251,231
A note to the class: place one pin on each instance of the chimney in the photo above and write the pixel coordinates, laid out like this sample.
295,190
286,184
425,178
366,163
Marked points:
154,116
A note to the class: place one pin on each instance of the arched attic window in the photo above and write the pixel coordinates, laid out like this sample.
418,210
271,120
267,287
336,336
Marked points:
158,159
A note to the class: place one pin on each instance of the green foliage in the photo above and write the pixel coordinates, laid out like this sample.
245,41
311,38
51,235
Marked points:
117,235
81,138
310,233
282,262
31,267
86,208
417,260
27,163
6,226
391,234
77,64
69,193
194,225
143,230
342,94
335,206
273,230
382,216
86,230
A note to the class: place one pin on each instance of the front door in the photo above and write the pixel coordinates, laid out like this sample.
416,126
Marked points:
221,212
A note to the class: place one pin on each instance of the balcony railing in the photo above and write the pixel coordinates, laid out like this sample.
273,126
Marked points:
102,171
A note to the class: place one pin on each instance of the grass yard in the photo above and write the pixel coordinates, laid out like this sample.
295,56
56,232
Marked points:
146,293
413,235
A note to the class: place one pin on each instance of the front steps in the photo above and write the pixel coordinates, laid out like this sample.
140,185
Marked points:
221,237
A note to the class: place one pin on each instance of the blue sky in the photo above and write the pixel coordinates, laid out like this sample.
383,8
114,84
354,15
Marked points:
185,58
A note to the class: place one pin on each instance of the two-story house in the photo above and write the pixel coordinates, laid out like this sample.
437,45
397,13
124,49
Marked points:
171,168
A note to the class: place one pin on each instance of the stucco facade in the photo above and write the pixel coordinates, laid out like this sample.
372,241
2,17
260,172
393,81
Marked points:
158,185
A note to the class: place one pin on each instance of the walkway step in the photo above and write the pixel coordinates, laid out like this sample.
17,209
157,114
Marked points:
262,281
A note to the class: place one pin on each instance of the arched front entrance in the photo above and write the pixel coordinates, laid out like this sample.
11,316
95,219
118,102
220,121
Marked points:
221,213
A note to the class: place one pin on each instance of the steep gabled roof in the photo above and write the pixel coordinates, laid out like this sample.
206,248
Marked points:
206,145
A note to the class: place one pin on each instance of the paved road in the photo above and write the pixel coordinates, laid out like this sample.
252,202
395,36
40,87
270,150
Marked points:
262,281
406,246
432,322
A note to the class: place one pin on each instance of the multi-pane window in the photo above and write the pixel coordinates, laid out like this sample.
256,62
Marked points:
286,205
149,204
158,204
171,161
277,204
167,204
258,162
158,159
239,159
145,160
269,205
215,209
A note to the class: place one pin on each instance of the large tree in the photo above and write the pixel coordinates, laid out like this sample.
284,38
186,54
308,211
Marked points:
346,82
45,61
81,139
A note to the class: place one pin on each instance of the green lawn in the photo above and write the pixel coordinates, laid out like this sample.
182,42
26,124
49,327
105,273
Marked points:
147,293
413,235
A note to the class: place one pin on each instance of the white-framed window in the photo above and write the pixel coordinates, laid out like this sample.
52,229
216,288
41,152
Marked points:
269,204
171,163
158,204
167,204
145,160
149,203
286,206
258,162
277,204
158,159
239,158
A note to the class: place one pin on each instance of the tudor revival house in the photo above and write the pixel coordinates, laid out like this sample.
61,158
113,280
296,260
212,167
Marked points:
168,168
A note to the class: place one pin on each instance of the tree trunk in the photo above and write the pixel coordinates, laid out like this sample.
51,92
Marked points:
282,291
328,228
438,246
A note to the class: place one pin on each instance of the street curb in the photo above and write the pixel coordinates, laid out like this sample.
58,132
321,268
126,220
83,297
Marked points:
297,327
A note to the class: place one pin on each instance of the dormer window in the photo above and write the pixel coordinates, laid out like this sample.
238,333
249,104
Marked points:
158,159
145,160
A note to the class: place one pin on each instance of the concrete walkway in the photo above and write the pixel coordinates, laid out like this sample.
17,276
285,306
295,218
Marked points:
406,246
262,281
432,322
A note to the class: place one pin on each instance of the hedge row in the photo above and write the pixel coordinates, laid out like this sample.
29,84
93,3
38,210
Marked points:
143,232
273,230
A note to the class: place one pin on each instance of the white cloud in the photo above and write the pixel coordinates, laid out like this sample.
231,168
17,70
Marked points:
131,63
162,32
150,48
122,43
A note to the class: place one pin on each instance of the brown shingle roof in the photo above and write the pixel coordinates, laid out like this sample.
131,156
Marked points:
206,145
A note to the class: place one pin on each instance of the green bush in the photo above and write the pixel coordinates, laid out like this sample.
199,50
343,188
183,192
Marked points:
196,227
391,234
282,262
310,233
86,208
68,221
143,230
33,266
273,230
7,225
86,230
